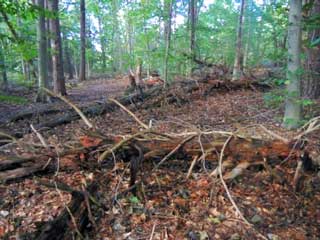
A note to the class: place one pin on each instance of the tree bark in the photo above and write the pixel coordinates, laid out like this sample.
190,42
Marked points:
311,83
56,45
193,7
238,62
42,55
292,115
49,50
103,44
82,75
67,57
167,34
3,70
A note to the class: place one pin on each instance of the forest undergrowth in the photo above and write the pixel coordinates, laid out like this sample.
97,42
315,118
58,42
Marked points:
207,165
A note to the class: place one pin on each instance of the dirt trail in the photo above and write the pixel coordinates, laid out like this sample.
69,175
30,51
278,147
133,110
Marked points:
83,94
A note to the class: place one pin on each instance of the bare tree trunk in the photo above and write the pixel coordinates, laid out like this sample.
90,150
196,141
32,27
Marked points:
292,115
311,84
167,33
82,75
3,69
193,7
238,62
49,50
56,45
67,57
103,44
247,44
116,48
42,55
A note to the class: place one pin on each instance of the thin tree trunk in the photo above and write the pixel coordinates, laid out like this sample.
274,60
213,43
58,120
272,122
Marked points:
56,45
67,57
292,115
238,62
3,69
167,33
192,13
49,50
82,75
249,32
103,44
42,55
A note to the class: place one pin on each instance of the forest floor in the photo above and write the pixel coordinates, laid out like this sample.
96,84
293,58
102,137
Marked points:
169,206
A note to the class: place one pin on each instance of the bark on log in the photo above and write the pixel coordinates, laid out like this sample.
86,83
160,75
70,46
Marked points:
58,228
90,111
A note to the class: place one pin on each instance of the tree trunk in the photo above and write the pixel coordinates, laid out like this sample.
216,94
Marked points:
103,44
49,50
311,84
116,46
248,40
3,69
67,57
192,15
238,62
167,34
42,55
292,114
82,75
56,45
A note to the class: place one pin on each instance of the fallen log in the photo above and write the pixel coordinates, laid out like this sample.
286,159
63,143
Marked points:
29,113
91,111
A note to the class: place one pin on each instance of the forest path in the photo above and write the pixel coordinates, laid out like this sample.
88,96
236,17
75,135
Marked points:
84,94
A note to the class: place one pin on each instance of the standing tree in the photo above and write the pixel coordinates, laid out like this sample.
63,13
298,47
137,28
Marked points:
82,75
193,12
311,84
238,61
167,34
192,21
49,51
56,45
292,114
4,83
103,44
42,55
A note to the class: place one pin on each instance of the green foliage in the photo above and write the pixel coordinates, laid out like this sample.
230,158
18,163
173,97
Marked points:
13,99
134,200
275,98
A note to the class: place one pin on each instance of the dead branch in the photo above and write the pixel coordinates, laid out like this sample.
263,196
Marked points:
130,113
84,118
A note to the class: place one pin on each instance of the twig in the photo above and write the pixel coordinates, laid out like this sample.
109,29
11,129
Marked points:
83,117
105,154
13,139
86,199
195,159
43,142
309,127
297,175
152,232
228,192
130,113
274,134
225,185
173,151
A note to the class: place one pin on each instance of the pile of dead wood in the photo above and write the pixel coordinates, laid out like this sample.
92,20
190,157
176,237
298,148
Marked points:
230,154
